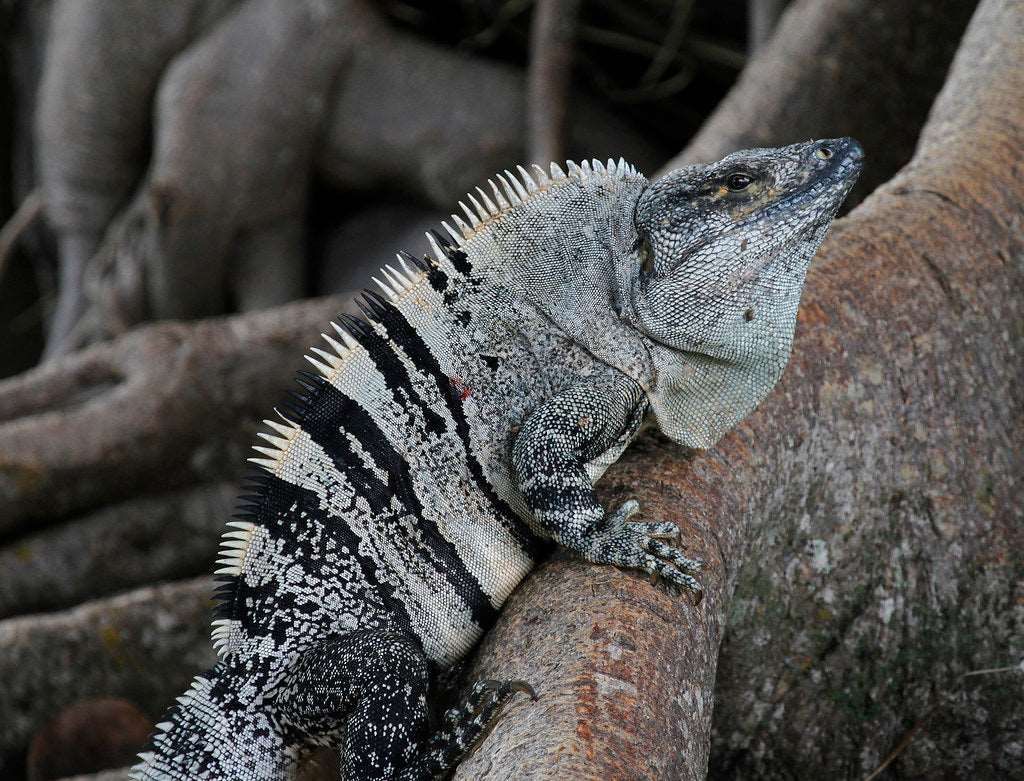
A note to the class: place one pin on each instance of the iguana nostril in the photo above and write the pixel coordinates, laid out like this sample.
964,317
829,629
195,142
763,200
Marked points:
823,152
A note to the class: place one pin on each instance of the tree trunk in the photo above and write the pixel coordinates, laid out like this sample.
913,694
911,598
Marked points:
862,68
867,516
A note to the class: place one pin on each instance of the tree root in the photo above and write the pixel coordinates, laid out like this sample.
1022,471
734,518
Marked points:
162,537
198,239
162,407
142,646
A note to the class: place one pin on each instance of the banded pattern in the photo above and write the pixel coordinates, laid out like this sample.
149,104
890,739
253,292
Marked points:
384,499
380,444
458,426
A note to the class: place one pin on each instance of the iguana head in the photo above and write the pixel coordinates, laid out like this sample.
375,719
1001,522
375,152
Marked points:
716,276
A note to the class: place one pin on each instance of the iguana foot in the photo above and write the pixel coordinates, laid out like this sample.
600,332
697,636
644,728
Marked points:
466,725
642,546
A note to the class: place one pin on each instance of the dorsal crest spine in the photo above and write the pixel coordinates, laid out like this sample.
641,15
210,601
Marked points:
519,189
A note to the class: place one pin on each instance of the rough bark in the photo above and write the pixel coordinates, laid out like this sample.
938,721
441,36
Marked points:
867,513
164,406
625,670
863,68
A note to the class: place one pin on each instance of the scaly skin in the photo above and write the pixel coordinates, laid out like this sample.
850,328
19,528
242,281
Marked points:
457,430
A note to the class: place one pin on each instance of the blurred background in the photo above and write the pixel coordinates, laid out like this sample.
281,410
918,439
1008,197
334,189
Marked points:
216,155
368,170
184,161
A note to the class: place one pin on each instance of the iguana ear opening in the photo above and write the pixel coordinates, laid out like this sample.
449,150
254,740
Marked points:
646,256
664,221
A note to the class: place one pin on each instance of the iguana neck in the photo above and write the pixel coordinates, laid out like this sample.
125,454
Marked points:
568,248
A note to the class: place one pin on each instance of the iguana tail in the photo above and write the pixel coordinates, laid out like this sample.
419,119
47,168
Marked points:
215,733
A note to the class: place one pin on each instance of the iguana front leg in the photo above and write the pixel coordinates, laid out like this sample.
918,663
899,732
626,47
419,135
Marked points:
550,458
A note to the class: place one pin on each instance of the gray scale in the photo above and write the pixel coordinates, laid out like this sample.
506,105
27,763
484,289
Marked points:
450,436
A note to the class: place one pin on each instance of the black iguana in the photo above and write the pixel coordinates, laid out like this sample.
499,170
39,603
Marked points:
458,427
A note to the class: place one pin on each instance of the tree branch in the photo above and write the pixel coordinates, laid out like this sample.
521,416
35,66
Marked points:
552,34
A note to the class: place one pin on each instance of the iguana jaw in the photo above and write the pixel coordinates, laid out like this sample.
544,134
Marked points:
717,253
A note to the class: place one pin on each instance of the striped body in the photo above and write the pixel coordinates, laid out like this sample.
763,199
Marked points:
392,501
445,438
386,499
389,498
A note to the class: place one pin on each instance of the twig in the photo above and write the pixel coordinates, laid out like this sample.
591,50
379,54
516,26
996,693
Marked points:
904,742
697,47
552,32
30,208
912,732
506,14
671,43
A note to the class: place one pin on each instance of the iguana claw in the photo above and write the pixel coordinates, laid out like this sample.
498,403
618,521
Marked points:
525,688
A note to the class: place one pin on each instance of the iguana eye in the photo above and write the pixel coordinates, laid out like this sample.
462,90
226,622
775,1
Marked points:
738,181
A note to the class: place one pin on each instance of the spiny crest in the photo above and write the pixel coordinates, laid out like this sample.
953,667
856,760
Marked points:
332,361
399,282
238,537
223,635
234,543
517,190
